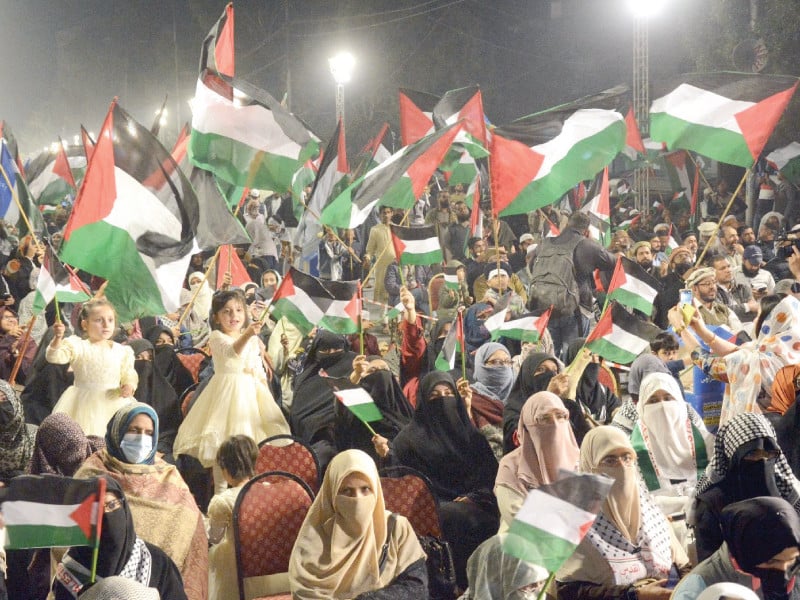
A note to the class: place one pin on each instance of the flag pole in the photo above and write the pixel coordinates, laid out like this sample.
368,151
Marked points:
360,319
199,287
543,594
368,426
19,205
101,499
58,312
21,351
722,217
460,322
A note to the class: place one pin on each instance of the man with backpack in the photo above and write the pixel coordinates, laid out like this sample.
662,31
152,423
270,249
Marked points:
562,276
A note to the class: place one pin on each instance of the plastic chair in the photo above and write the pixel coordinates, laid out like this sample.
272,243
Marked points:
434,287
192,359
288,453
267,518
408,492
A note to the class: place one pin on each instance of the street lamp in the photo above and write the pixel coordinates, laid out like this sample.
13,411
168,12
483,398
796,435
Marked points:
642,11
342,70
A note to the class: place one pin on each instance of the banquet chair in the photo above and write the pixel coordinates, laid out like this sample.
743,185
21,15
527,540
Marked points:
407,492
288,453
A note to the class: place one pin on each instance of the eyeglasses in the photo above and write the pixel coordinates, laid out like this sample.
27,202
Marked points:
626,460
498,362
112,505
760,454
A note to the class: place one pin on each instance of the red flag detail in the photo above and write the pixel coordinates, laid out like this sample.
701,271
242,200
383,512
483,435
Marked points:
633,137
228,260
514,167
758,121
61,166
224,53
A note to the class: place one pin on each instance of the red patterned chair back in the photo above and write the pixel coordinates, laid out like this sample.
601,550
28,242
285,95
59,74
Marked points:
186,398
267,517
192,358
287,453
408,493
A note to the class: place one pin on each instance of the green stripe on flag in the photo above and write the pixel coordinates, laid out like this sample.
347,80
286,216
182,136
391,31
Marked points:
284,307
720,144
44,536
612,352
427,258
631,300
342,325
537,546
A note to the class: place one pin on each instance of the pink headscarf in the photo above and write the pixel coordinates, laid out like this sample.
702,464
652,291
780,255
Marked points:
544,448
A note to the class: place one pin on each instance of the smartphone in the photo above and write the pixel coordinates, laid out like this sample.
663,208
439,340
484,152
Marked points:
686,296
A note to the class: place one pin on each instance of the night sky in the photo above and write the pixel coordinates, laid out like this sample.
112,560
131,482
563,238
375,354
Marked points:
64,60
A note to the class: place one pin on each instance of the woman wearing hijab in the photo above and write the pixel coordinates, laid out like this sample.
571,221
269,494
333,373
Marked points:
198,285
496,575
373,375
442,443
166,361
592,396
45,383
312,417
547,445
16,437
747,462
349,545
762,544
630,549
492,381
672,450
122,553
163,509
12,344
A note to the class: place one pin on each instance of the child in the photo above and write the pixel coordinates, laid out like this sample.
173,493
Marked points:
236,399
236,459
105,378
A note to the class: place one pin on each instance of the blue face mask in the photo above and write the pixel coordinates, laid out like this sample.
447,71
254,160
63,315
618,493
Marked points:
136,447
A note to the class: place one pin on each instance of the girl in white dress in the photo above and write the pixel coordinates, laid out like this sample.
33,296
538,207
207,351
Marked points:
236,400
105,378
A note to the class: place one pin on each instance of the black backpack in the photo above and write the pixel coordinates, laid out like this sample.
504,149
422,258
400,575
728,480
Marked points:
553,279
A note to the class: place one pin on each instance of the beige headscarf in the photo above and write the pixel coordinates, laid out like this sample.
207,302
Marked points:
543,448
622,503
202,302
337,551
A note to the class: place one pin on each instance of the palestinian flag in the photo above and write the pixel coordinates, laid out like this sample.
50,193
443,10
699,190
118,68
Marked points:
372,154
50,177
13,148
526,328
241,133
331,178
599,211
416,115
725,116
416,245
15,199
787,161
634,147
537,159
216,224
134,220
44,511
55,281
680,170
671,242
619,336
395,311
229,262
88,144
343,312
397,182
453,343
302,299
475,216
552,230
632,286
465,105
450,275
554,518
360,403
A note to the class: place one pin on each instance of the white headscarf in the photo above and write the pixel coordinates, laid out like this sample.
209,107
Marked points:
202,302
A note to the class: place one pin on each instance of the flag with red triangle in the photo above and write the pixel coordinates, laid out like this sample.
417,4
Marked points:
620,336
49,175
417,245
88,144
302,299
634,147
342,314
229,262
416,115
599,210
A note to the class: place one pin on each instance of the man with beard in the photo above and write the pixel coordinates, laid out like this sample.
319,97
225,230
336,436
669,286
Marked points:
760,280
746,235
735,295
680,263
690,243
380,252
643,255
455,242
730,247
703,283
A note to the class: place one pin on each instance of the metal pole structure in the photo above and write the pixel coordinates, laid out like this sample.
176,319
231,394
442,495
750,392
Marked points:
641,103
340,102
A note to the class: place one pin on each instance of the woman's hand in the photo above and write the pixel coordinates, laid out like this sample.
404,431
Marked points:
559,385
654,591
360,364
126,391
465,391
381,445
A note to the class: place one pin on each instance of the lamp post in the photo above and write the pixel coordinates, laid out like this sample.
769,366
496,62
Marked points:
342,70
643,11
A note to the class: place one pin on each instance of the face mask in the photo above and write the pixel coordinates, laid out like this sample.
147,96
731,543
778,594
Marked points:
328,360
136,447
682,268
542,380
757,478
355,513
773,583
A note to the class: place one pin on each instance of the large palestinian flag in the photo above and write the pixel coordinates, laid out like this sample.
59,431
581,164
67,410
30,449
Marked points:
342,314
465,105
55,281
725,116
43,511
397,182
134,220
416,245
787,161
50,177
537,159
416,115
619,336
632,286
302,299
239,132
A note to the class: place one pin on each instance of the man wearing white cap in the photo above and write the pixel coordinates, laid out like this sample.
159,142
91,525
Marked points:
703,283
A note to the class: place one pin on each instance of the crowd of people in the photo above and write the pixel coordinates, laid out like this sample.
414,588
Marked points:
692,506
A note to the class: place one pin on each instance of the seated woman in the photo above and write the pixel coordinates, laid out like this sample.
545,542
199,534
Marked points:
350,546
593,397
747,462
492,380
547,445
122,552
496,575
44,384
161,504
672,450
13,342
762,545
630,549
442,443
236,458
